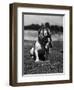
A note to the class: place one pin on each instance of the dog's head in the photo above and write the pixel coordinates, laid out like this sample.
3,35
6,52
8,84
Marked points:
43,33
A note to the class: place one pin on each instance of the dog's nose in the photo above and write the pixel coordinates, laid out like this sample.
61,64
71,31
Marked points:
45,34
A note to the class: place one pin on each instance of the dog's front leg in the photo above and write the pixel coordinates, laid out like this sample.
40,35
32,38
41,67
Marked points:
37,57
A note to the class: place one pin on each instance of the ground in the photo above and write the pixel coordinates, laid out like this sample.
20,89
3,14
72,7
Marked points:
54,64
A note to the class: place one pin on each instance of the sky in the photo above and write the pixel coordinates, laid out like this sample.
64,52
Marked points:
39,19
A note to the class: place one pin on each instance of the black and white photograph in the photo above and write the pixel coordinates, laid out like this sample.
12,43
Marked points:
42,43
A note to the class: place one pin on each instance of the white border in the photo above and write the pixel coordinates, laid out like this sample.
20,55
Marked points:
40,77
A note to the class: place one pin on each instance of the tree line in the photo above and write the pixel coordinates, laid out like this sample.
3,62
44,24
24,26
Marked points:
53,28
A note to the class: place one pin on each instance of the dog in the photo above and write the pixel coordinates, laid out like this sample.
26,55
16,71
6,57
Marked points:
40,49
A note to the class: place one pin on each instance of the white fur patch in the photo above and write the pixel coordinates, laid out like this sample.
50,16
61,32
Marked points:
31,51
37,46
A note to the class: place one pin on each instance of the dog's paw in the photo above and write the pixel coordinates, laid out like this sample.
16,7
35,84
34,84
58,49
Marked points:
37,60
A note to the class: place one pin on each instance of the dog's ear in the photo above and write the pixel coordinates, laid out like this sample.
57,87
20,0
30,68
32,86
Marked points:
39,30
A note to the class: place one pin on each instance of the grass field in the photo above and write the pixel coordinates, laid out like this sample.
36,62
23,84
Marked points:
54,64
